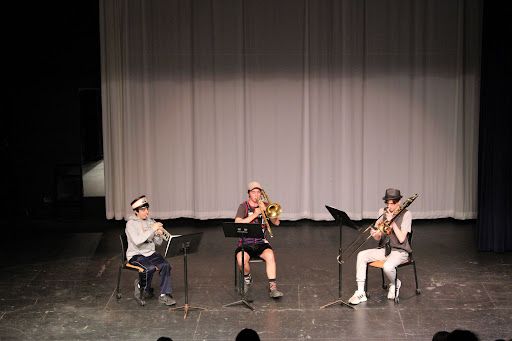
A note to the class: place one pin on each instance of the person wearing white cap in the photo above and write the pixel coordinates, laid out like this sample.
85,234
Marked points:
393,248
250,212
142,234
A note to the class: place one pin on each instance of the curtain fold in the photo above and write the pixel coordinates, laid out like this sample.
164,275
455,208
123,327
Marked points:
495,166
322,102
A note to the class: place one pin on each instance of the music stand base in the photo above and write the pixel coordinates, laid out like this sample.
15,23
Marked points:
186,308
243,301
340,301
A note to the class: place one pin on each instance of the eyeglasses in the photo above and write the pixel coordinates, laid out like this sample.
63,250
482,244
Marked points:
392,202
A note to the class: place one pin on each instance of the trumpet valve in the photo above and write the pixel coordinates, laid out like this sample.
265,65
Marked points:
165,235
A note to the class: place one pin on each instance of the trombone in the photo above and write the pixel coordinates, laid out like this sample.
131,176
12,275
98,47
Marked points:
340,256
273,210
165,235
383,226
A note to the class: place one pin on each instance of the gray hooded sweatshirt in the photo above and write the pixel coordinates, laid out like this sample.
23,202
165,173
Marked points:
141,237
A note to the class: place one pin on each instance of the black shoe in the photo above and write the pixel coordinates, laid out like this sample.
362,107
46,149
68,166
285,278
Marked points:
136,293
149,294
167,299
137,289
274,293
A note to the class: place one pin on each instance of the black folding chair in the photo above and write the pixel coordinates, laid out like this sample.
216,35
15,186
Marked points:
127,266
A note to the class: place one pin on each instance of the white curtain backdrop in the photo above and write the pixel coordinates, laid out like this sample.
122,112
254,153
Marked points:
322,102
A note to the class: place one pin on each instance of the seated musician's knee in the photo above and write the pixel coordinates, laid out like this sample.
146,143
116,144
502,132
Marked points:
360,257
165,266
150,269
269,257
388,267
239,257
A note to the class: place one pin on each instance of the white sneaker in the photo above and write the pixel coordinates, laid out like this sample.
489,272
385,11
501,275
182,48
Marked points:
359,296
391,292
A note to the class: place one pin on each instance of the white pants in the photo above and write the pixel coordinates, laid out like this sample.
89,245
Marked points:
394,259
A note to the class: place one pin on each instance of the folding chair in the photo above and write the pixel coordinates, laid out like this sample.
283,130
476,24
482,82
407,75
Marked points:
380,264
238,273
127,266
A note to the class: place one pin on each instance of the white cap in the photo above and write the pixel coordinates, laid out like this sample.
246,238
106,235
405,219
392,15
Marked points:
253,185
140,202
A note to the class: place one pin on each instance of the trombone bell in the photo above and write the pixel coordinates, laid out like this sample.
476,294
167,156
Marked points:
274,210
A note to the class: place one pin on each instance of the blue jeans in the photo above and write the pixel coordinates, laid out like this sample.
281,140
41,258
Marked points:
150,265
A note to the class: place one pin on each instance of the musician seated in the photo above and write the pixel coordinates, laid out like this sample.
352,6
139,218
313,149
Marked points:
142,234
250,212
393,248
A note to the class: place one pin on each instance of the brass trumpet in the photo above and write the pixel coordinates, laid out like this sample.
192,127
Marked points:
273,210
383,226
165,235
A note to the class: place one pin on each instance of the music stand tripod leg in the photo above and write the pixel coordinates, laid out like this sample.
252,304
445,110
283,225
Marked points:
241,291
186,308
340,301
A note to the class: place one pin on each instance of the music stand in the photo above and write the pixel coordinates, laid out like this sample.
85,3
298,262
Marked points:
241,230
342,219
183,245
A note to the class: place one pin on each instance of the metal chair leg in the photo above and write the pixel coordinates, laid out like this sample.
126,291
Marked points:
366,283
418,291
118,294
396,285
236,274
384,285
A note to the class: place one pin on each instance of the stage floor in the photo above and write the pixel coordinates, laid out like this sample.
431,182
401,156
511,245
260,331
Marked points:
58,283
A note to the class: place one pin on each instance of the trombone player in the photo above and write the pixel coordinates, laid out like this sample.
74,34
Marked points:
393,248
250,211
142,234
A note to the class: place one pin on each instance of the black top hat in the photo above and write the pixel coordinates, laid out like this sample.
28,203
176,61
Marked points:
392,194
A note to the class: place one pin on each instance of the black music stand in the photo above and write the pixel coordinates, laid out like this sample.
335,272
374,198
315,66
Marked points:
183,245
342,219
240,230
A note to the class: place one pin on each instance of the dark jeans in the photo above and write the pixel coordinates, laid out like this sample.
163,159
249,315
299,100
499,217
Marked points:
150,265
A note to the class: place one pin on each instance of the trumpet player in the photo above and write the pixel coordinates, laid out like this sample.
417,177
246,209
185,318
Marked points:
250,212
142,234
393,248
